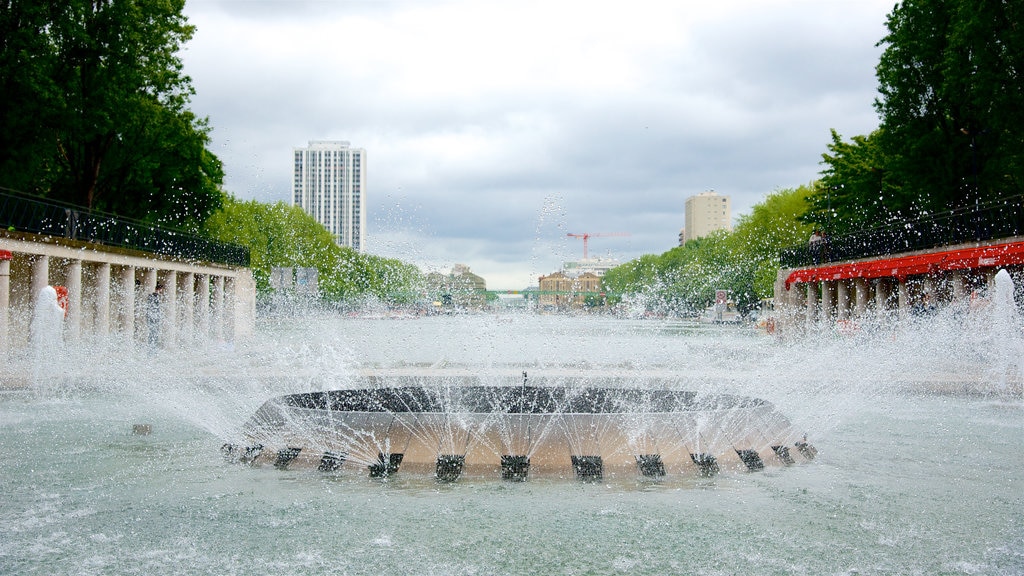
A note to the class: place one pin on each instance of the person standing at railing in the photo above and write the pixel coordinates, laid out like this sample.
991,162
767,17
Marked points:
816,245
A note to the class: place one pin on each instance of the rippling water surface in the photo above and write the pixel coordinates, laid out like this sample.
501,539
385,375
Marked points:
920,434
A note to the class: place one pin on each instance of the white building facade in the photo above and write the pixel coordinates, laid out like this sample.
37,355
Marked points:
705,213
329,184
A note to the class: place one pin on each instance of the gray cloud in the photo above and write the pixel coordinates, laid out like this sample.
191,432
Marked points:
494,129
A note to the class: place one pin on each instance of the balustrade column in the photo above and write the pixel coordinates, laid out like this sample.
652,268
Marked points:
203,305
827,301
169,309
147,287
218,307
904,297
842,300
73,282
861,290
928,289
103,298
883,296
127,300
812,301
230,312
40,276
5,297
187,301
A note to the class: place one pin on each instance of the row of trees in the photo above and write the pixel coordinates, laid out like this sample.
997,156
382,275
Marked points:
744,262
278,235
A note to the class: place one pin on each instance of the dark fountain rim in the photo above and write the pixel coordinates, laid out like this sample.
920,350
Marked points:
523,399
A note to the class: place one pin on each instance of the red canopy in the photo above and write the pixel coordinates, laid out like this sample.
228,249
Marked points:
902,266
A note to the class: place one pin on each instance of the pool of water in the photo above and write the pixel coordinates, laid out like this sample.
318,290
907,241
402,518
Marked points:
910,479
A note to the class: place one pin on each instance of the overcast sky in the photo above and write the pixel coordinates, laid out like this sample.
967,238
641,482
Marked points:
493,129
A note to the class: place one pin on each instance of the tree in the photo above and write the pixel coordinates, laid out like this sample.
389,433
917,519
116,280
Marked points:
951,105
744,262
950,102
96,109
278,235
772,225
853,189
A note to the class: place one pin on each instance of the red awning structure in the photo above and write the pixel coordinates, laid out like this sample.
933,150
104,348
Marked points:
900,267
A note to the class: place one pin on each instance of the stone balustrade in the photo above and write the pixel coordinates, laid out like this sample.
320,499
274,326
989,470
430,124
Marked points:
107,290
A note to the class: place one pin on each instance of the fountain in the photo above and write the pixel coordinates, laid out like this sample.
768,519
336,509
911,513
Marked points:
512,428
47,320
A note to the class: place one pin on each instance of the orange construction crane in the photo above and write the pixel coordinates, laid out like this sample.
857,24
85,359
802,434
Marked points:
587,235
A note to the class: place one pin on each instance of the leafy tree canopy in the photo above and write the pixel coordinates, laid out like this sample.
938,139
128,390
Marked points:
95,109
278,235
684,279
951,105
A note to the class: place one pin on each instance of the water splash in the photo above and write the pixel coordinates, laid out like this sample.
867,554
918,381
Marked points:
46,340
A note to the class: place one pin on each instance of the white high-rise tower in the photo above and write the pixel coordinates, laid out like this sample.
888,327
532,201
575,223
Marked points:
330,185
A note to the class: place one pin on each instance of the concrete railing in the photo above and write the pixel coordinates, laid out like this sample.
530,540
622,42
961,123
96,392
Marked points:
107,289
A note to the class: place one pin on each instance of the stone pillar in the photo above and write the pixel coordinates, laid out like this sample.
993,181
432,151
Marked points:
149,281
218,307
5,297
127,300
861,290
169,309
882,295
243,294
40,276
203,305
73,282
842,300
827,301
102,292
812,301
187,303
230,313
904,297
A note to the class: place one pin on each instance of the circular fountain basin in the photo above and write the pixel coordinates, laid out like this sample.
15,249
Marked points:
516,427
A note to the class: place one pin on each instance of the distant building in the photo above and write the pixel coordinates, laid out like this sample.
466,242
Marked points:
561,291
705,213
596,266
329,184
460,288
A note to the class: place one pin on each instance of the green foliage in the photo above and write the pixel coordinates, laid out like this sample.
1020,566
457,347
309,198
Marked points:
951,104
744,262
853,188
95,109
284,236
